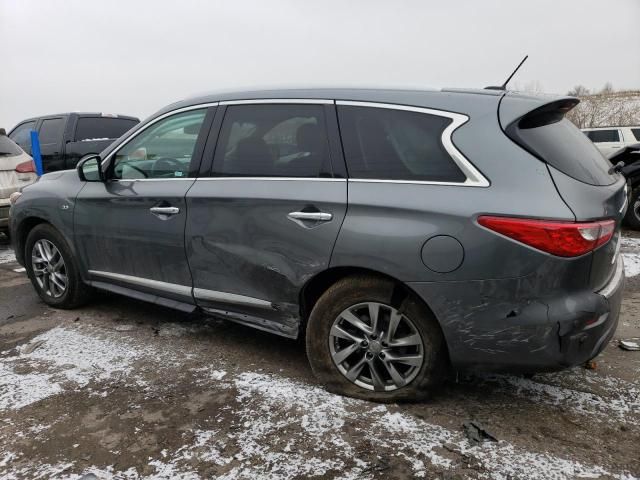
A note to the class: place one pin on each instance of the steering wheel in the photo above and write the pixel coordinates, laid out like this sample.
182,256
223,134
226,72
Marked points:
133,167
163,165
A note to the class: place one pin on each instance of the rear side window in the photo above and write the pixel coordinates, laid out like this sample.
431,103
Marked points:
636,133
22,134
387,144
273,141
601,136
51,131
101,128
562,145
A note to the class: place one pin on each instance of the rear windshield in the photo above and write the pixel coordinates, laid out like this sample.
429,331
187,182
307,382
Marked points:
562,145
102,128
8,148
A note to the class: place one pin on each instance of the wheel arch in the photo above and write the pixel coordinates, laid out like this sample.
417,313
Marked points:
319,283
22,232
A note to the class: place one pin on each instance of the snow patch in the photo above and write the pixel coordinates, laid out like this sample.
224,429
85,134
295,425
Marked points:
599,397
65,356
630,248
19,390
7,256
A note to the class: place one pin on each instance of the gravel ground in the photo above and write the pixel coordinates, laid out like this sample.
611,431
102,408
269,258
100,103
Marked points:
122,389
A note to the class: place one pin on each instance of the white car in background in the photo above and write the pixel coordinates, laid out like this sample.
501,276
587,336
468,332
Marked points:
17,170
611,139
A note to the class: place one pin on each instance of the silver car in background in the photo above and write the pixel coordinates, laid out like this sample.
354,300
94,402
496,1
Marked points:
17,170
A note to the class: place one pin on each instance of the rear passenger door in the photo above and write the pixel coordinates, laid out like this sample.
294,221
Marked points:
50,134
266,219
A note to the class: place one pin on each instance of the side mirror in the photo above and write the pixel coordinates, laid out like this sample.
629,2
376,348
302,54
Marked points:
90,168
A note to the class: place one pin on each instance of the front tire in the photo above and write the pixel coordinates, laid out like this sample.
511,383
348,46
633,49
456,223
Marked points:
364,343
53,270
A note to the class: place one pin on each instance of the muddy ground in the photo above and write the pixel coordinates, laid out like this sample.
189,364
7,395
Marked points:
122,389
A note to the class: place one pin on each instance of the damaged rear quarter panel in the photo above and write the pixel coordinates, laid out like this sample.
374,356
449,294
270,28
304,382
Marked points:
514,323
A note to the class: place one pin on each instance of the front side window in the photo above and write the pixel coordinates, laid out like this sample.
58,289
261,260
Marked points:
636,133
51,131
268,140
602,136
387,144
22,134
101,128
163,150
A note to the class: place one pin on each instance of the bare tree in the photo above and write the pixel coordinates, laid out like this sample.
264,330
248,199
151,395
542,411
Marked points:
607,89
579,91
606,108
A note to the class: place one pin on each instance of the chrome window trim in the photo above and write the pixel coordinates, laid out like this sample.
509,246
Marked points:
416,182
474,177
286,179
129,180
316,101
145,282
152,122
225,297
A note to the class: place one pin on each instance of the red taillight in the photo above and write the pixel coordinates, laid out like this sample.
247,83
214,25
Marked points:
565,239
26,167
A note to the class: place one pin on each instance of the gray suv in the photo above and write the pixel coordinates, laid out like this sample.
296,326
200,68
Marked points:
401,233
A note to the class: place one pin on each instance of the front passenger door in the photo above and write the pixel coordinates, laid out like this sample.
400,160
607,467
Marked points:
129,230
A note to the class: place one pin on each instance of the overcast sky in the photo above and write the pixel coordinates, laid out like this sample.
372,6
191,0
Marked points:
134,57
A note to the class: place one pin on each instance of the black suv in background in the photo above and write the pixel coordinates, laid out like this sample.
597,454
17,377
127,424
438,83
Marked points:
66,137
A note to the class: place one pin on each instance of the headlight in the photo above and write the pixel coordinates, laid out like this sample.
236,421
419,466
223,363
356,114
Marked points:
13,198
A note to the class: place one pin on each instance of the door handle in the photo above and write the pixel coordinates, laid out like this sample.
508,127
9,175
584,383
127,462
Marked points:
311,216
164,210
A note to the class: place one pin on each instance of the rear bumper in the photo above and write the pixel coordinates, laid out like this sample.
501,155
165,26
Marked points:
583,344
496,325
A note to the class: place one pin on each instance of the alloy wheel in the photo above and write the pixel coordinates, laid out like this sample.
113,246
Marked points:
376,347
49,268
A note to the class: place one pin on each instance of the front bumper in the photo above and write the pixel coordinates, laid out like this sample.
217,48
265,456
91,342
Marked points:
500,325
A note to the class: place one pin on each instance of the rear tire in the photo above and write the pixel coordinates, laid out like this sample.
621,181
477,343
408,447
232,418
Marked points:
632,217
376,367
53,270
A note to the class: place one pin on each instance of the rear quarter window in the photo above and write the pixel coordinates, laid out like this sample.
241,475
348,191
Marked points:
388,144
102,128
636,133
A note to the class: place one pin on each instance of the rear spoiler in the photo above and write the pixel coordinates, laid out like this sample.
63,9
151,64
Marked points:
532,111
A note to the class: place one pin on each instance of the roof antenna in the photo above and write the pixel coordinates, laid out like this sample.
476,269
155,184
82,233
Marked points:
504,85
